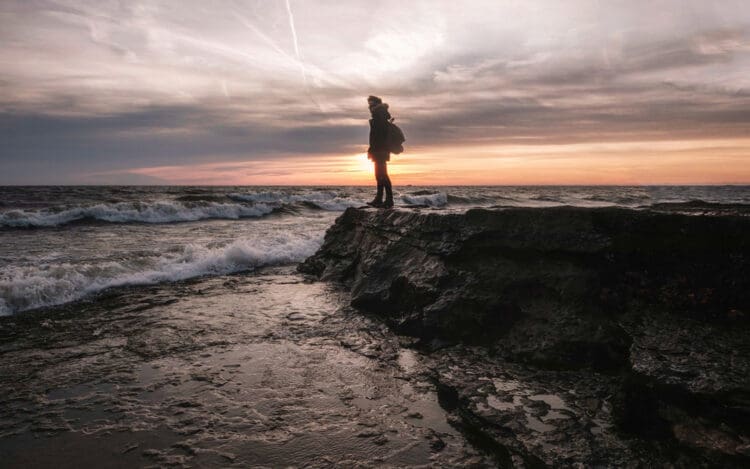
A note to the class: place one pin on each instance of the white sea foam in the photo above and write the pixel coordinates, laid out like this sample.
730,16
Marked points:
124,212
33,286
431,200
326,200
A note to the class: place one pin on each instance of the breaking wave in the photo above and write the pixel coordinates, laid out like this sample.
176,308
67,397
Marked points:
439,199
326,200
34,286
463,200
126,212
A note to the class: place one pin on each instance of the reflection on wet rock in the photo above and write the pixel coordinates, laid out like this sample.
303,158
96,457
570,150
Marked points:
259,369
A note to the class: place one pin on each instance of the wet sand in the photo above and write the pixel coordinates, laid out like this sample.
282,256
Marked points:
260,369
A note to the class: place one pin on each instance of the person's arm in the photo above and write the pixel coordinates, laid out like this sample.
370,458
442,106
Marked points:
372,138
379,135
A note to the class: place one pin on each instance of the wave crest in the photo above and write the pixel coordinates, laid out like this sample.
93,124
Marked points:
439,199
125,212
33,286
325,200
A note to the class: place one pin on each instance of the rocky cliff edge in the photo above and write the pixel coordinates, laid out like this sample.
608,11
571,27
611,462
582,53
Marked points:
652,308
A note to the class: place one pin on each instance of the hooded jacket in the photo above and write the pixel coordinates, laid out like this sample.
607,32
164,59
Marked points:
379,133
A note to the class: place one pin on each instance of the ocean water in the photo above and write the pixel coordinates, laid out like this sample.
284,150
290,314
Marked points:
62,244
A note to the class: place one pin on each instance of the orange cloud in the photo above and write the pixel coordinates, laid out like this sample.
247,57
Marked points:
626,163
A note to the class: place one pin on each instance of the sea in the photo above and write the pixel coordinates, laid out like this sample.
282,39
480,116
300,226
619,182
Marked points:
65,244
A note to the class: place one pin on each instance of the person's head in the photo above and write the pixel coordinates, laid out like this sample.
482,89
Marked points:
373,101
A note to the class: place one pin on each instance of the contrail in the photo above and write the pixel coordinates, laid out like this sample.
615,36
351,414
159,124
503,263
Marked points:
294,31
296,53
263,36
330,77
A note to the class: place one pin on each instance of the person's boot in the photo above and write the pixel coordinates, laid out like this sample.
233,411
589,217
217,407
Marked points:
388,198
377,202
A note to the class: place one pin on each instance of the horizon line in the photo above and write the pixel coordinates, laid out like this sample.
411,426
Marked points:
395,185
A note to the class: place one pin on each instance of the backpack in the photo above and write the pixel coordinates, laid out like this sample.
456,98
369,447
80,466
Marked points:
395,138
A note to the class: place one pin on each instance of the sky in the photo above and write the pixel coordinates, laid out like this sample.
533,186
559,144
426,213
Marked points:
273,92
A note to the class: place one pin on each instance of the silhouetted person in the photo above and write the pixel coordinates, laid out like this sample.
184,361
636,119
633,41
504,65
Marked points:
379,152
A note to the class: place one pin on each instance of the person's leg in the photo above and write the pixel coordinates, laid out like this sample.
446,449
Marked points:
378,177
386,181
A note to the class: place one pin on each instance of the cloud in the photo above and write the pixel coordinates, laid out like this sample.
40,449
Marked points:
157,136
90,87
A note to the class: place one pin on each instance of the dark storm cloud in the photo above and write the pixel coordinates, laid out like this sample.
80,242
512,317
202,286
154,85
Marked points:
608,111
154,137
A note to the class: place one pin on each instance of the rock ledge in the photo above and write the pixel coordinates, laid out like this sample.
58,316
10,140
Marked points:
653,307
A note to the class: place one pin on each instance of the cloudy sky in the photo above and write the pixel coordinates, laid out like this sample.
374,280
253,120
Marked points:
273,91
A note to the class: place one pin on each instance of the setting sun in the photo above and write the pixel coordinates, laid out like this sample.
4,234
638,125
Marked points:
363,164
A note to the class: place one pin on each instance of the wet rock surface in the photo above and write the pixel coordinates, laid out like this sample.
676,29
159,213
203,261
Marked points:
567,336
252,370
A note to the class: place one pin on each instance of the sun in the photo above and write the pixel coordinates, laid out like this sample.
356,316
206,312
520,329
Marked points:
363,163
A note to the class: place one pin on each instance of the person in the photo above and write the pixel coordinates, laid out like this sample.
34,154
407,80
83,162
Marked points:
379,152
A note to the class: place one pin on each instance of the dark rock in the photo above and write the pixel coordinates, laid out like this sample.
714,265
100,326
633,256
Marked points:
648,307
547,283
436,444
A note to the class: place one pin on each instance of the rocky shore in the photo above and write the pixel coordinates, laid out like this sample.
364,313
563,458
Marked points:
261,369
567,336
